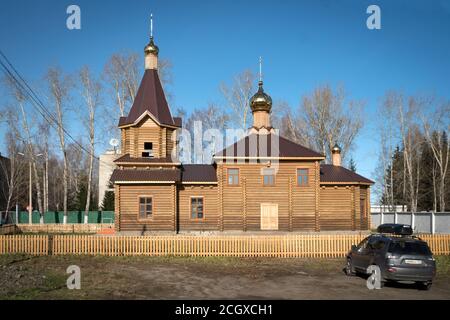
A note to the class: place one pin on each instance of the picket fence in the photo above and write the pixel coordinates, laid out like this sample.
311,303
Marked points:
285,246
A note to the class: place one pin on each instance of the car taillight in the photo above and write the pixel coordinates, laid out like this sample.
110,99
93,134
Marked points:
392,270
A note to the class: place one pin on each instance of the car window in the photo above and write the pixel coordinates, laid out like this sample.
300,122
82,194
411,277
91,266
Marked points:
375,243
409,247
378,245
363,243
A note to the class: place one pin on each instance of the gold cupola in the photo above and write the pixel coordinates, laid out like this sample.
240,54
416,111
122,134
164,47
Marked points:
261,101
261,106
151,48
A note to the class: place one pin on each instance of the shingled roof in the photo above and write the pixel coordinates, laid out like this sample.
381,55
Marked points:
153,175
205,173
127,158
260,145
330,173
150,97
199,173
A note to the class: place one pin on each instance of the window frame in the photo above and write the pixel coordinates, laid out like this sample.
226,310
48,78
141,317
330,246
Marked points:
238,177
139,207
190,208
297,175
269,175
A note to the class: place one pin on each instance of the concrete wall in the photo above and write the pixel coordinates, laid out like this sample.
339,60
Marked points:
105,168
423,221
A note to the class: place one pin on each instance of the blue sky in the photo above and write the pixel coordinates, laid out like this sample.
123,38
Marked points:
304,44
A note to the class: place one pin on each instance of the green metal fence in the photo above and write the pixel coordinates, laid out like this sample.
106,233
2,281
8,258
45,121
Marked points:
72,217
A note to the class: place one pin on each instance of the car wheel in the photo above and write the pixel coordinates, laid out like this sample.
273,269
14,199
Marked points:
349,271
424,285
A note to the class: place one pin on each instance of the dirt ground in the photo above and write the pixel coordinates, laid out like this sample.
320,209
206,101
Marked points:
25,277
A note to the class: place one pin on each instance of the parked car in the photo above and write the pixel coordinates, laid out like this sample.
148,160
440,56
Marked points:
399,255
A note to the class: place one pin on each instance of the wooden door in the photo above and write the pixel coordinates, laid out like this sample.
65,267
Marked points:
362,212
269,216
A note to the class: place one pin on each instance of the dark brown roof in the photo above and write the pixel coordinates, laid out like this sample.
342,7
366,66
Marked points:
150,97
254,145
199,173
330,173
189,173
127,158
158,175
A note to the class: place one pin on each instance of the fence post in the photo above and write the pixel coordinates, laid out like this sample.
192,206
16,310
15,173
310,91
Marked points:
395,216
50,245
17,213
413,220
381,217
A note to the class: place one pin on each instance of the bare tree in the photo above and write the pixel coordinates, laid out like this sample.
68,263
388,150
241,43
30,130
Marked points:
238,96
121,75
91,90
435,121
325,118
388,131
44,146
405,112
12,170
59,86
20,99
211,117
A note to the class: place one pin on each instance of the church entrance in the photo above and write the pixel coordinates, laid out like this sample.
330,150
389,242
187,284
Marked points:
269,216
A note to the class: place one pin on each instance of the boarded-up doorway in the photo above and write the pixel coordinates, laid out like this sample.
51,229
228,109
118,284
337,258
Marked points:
363,214
269,216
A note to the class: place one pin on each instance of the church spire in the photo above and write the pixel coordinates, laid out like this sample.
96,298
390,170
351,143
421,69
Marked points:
261,105
151,50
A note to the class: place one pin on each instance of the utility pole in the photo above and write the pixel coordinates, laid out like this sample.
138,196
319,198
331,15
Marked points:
30,190
30,203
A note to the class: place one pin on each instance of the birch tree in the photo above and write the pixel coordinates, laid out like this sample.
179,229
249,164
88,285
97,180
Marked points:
405,112
438,120
20,100
122,75
59,87
324,118
388,135
91,90
12,170
237,96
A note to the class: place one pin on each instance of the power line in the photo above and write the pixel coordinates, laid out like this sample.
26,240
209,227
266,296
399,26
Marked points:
37,103
36,100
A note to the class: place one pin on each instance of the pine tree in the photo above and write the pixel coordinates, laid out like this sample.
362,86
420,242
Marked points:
108,201
352,165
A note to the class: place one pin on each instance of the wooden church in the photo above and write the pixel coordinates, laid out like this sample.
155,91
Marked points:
262,182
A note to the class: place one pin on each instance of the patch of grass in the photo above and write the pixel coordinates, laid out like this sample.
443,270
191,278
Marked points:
443,266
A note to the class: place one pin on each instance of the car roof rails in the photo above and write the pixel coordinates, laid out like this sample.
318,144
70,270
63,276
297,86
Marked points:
394,235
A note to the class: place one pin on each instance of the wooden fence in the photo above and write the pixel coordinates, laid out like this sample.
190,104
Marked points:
286,246
239,246
29,244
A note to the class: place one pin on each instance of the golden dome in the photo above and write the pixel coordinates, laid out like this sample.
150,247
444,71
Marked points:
151,48
261,101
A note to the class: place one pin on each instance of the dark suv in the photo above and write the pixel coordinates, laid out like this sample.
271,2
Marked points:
399,257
